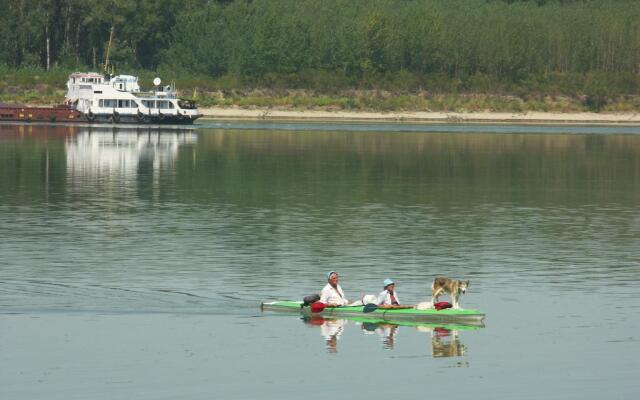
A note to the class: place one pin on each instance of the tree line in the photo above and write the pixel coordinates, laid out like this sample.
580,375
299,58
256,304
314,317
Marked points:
354,40
74,33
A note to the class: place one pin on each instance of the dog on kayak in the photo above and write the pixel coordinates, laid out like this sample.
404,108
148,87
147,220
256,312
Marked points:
451,286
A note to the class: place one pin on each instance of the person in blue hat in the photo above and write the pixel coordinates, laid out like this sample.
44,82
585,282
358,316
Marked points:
332,294
388,298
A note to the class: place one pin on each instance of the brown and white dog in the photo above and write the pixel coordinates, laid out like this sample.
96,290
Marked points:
451,286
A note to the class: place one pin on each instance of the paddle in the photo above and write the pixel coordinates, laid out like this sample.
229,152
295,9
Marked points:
369,308
319,307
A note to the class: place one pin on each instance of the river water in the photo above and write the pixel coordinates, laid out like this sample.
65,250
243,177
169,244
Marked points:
133,261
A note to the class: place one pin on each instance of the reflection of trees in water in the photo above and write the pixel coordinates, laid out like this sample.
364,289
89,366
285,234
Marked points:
380,167
32,160
275,168
37,132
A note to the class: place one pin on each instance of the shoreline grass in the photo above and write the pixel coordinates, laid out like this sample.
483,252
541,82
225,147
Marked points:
37,87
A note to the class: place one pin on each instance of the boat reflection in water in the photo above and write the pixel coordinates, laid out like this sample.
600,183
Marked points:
126,164
445,339
98,151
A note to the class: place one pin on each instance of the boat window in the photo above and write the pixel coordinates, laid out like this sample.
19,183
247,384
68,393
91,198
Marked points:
171,105
163,104
187,104
148,103
124,104
110,103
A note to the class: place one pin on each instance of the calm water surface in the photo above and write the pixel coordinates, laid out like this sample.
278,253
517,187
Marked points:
133,261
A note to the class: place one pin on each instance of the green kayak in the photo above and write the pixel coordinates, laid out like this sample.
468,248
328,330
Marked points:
449,315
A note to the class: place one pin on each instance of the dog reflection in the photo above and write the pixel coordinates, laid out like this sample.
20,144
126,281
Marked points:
445,343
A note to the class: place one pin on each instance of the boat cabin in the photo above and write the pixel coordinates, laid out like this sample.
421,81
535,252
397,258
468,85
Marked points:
120,98
125,83
85,77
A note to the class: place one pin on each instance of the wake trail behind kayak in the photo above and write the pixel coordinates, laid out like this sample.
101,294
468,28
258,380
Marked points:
39,296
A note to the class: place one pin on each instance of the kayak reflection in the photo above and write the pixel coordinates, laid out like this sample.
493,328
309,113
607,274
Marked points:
445,339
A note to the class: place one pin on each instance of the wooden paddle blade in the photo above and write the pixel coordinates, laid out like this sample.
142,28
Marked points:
369,308
317,307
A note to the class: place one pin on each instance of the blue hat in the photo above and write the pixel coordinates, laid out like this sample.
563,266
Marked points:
388,282
329,274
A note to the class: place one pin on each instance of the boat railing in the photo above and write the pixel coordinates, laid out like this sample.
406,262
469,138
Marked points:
163,95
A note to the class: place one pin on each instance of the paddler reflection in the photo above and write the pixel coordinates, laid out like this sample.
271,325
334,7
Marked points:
387,332
330,329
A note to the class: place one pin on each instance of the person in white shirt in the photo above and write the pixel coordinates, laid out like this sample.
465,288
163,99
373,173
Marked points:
332,294
388,298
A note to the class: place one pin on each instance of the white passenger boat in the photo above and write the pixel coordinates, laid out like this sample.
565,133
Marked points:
119,99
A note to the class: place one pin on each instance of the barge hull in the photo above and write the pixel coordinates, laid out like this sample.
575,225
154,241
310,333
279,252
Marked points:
65,113
40,114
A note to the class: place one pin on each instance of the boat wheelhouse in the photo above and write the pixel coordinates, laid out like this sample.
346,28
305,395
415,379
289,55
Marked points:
120,99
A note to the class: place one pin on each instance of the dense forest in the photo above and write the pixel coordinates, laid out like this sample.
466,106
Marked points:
553,47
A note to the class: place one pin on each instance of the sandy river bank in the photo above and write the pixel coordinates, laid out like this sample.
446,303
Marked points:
426,117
